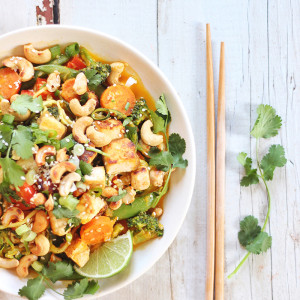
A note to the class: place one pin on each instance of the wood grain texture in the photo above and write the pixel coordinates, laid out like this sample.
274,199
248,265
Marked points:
262,66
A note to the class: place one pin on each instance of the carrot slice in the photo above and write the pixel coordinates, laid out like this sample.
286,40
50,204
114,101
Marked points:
118,97
97,231
10,83
76,63
67,91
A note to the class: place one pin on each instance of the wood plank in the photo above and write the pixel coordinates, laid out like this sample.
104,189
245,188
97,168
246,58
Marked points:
44,12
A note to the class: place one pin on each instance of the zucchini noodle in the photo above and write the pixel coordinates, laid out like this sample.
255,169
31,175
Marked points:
11,225
59,249
41,91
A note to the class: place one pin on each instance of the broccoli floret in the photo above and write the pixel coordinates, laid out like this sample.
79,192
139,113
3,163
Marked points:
146,223
53,111
140,112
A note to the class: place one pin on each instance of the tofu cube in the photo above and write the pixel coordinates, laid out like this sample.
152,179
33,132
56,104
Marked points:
122,157
111,127
79,252
140,179
97,178
48,122
89,206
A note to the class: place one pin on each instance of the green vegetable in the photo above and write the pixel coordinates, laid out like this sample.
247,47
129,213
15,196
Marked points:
140,112
58,271
7,192
64,212
55,51
67,142
78,149
53,110
72,50
37,266
12,172
25,102
29,236
78,288
22,229
116,198
60,60
69,202
8,119
34,289
131,132
251,236
105,113
72,222
22,142
85,168
65,72
97,151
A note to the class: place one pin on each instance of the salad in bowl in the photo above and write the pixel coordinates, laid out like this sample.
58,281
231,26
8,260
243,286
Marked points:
86,160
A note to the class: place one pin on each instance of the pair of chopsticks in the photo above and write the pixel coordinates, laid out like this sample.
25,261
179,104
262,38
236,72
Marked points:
216,177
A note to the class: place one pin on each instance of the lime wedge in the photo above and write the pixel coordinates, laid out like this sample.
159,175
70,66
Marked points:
111,258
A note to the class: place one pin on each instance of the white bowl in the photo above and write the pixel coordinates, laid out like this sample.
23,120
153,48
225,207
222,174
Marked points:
182,184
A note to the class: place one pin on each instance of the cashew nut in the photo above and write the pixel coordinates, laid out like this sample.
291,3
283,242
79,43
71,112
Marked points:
157,212
11,214
24,264
58,226
109,192
98,138
42,246
67,182
79,129
62,155
42,153
82,110
116,70
41,222
115,205
6,109
130,196
53,81
49,204
148,136
37,56
38,199
21,64
7,263
80,84
58,170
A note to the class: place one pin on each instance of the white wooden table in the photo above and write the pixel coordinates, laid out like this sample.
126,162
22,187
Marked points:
262,66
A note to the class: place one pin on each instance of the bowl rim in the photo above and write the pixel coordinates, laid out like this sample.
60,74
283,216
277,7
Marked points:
176,98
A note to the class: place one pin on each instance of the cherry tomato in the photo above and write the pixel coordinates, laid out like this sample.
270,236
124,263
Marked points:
25,193
76,63
40,82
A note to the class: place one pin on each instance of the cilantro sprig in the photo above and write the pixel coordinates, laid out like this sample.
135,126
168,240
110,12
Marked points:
251,236
61,270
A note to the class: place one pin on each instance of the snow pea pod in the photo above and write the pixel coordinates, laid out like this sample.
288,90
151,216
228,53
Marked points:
140,204
65,72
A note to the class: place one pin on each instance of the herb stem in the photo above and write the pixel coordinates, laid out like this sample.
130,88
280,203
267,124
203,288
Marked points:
97,151
268,212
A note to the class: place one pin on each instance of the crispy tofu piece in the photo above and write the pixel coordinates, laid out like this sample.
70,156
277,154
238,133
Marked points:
140,179
97,178
111,127
79,252
48,122
89,206
58,225
88,156
122,157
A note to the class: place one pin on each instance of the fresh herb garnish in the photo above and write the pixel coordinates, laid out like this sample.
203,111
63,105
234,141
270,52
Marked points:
25,102
251,235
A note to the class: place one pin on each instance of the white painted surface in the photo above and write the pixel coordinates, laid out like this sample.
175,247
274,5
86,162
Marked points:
262,66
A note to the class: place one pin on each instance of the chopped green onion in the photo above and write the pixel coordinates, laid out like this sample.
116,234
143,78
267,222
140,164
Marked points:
68,142
127,106
97,151
37,266
105,113
69,237
78,149
29,236
22,229
57,93
72,50
30,177
55,51
8,119
60,60
81,185
69,202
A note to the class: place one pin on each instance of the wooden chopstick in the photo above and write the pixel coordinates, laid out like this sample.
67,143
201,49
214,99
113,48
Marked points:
220,182
211,189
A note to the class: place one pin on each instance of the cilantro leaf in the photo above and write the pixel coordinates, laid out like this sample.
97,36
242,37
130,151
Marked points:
249,230
251,176
5,136
85,168
161,105
34,288
116,198
177,148
260,244
131,133
74,221
163,160
25,102
275,158
7,192
78,288
158,122
12,172
63,212
21,142
267,123
58,271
